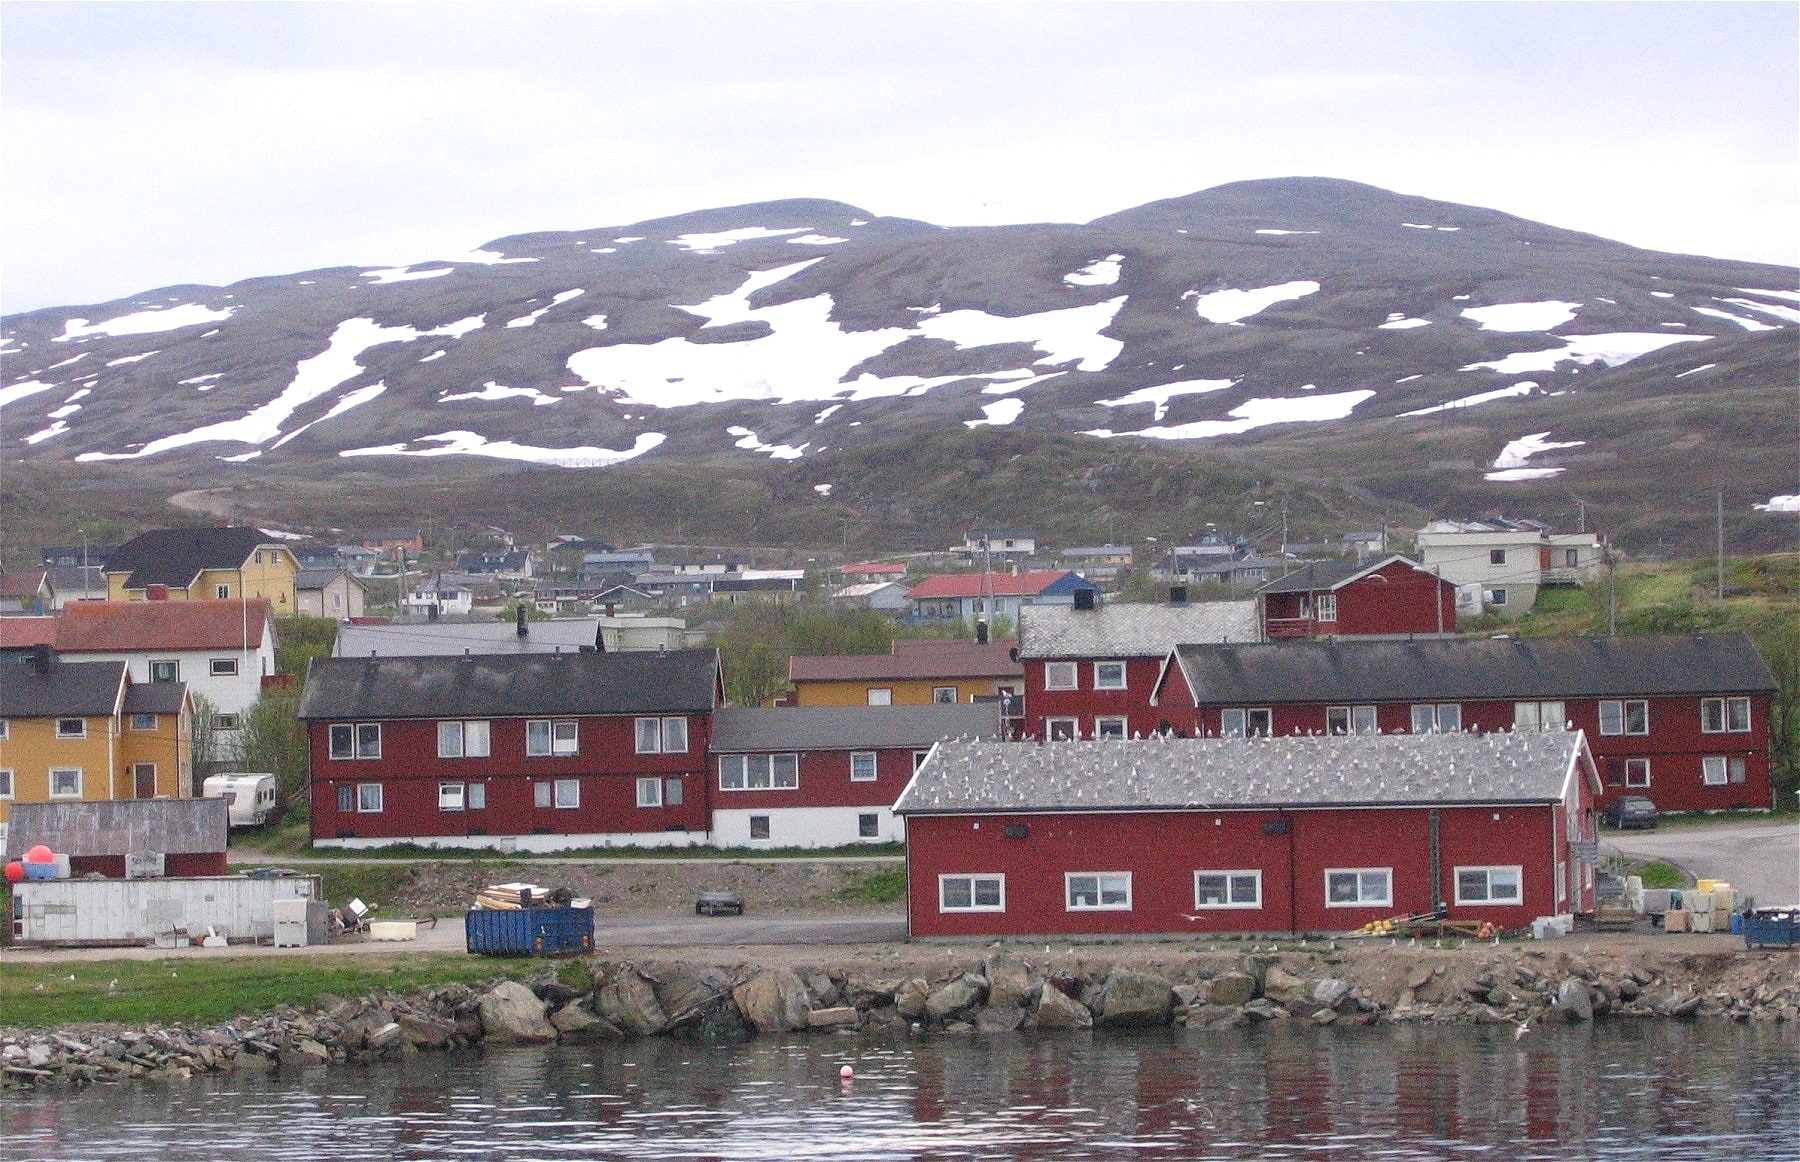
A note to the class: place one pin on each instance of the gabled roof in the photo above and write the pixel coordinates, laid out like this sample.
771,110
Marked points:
183,826
1175,774
175,557
998,584
97,627
155,697
24,632
869,589
1472,668
851,727
29,583
1132,630
910,660
62,689
320,578
1327,575
475,686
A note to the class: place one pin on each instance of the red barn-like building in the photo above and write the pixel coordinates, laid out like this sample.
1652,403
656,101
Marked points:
1201,836
552,751
1682,720
1392,598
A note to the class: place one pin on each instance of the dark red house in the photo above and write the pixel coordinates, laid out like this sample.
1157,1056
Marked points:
825,776
549,751
1391,598
1683,720
1090,668
1202,836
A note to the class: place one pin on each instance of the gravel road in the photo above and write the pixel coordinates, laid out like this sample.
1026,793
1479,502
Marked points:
1758,859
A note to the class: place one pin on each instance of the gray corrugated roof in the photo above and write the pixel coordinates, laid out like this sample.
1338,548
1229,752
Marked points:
420,639
1132,630
155,697
1203,773
74,689
1315,575
851,727
679,681
187,826
1473,668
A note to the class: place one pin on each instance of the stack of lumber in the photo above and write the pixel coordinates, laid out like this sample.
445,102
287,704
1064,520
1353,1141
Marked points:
511,897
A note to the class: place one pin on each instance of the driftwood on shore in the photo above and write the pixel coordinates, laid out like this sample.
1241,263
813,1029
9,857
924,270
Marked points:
999,992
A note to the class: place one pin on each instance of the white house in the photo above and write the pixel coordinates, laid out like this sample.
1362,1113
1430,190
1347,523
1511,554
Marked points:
222,649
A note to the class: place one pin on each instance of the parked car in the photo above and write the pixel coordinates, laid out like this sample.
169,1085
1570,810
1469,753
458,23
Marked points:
1630,811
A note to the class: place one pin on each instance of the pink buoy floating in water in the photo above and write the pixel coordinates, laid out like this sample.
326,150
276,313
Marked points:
846,1074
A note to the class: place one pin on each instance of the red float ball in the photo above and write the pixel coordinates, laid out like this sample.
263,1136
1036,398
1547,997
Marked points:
15,871
40,854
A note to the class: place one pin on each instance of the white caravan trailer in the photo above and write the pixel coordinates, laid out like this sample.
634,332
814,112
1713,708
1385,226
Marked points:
250,798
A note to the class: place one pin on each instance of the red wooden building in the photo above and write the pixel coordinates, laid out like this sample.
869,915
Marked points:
1391,598
1202,836
1683,720
552,751
1089,668
824,776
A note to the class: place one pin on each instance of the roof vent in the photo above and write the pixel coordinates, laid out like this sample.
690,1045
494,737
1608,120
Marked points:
1084,598
1177,594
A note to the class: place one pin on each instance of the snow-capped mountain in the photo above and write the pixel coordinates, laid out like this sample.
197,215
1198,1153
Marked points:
792,329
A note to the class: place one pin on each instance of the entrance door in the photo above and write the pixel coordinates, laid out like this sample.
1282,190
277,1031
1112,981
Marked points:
143,778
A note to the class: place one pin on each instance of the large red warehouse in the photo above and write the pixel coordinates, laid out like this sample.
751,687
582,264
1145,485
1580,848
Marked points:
1312,834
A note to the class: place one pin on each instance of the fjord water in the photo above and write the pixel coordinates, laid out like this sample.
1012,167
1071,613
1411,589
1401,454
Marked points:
1661,1090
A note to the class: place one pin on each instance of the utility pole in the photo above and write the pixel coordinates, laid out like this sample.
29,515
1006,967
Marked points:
1721,541
1612,593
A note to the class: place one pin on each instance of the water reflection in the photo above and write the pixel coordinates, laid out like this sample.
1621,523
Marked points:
1627,1090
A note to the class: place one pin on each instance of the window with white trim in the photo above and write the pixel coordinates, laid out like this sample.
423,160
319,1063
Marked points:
1350,720
1718,770
1496,596
1061,729
346,798
165,670
862,766
351,740
451,796
1109,675
881,696
369,798
1724,715
1097,891
568,794
1060,676
674,792
1637,772
943,695
662,736
1358,887
1327,607
545,736
1490,885
6,783
919,757
222,667
1256,722
1110,726
458,740
1496,556
759,772
222,592
1627,716
542,793
221,721
71,728
1538,716
649,791
868,826
759,827
477,796
1228,889
143,722
971,893
5,730
1436,717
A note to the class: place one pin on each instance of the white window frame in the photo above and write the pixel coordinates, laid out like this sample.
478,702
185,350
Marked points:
543,794
222,592
868,825
1637,773
1497,595
1717,770
938,695
449,739
79,731
1112,726
65,773
452,796
674,736
223,721
6,783
565,794
1232,880
1436,717
738,772
649,791
558,737
1236,722
1364,879
1355,720
370,798
1550,715
221,667
1053,725
1061,676
142,722
1618,711
918,759
1114,884
880,696
1717,715
972,882
1103,672
1489,874
764,824
170,666
5,729
871,759
1327,607
1496,556
477,797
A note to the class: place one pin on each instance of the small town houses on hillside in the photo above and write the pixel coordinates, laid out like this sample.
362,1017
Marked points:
1205,836
882,596
1682,720
211,564
1089,667
333,592
988,598
1498,566
1390,598
84,731
223,650
824,776
550,751
569,635
910,674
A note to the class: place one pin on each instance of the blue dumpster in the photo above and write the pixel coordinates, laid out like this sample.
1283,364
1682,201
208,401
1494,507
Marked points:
529,931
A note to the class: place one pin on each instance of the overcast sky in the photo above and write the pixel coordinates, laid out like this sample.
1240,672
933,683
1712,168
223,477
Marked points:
148,144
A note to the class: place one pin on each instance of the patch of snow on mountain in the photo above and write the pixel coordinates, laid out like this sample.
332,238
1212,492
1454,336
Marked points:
1015,381
313,377
124,359
63,412
1160,394
1610,350
597,322
474,444
1525,387
494,391
1746,324
486,258
145,322
18,391
1427,226
816,240
1696,370
438,354
66,362
1774,294
1788,313
822,489
1399,322
283,535
1542,316
748,441
715,242
998,414
1661,295
1255,413
348,400
395,274
55,429
1287,231
1510,465
825,413
1100,272
1233,306
83,392
1070,333
1779,504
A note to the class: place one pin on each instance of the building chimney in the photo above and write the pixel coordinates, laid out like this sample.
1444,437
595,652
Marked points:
599,637
524,620
41,658
981,633
1177,594
1084,598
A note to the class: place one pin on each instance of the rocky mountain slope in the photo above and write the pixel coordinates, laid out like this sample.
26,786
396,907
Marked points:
1409,351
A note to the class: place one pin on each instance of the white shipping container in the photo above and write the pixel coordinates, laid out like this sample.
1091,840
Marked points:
141,911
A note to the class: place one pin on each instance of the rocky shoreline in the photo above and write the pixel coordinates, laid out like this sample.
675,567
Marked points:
961,992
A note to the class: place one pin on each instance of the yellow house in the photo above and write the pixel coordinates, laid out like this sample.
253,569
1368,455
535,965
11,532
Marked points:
913,674
204,565
73,731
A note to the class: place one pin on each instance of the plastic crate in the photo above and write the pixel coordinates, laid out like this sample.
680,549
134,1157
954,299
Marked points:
529,931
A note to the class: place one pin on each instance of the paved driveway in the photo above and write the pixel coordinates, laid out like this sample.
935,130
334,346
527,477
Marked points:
1758,859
